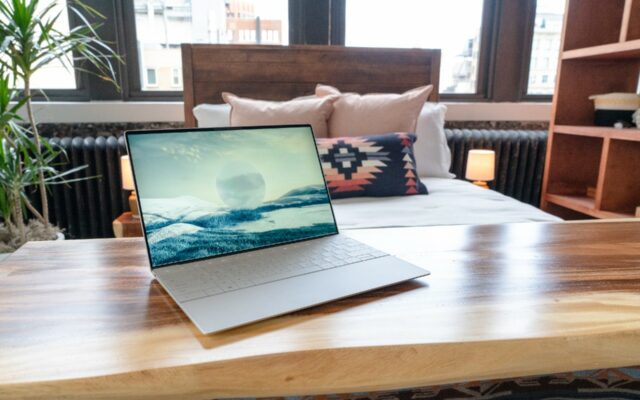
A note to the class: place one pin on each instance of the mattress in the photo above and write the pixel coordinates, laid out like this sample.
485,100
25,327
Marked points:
449,202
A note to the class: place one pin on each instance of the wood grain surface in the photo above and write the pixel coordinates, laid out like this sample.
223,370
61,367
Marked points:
85,319
285,72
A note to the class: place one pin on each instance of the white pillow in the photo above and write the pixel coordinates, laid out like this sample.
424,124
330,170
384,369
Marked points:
212,115
433,157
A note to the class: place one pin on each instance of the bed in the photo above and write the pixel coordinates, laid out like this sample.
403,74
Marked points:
450,202
283,73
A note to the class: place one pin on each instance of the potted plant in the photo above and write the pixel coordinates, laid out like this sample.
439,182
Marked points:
21,165
29,40
13,231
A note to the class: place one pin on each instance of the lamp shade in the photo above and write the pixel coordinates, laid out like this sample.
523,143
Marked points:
126,174
481,165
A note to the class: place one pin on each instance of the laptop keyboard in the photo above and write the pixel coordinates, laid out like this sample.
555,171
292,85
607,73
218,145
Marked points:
220,275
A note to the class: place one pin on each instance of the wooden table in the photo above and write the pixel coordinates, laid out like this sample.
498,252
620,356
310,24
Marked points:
85,319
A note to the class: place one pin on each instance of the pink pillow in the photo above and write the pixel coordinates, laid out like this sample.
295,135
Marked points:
372,114
315,111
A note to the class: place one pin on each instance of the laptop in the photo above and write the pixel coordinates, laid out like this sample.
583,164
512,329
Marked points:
239,226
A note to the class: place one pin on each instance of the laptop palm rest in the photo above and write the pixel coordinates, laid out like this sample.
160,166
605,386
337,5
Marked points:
231,309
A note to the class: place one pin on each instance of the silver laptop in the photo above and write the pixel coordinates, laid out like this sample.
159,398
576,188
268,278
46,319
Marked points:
239,225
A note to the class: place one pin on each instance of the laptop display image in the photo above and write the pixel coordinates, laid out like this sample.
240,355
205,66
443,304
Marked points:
211,193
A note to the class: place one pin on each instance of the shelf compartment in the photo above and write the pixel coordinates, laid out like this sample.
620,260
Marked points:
584,205
589,23
580,79
631,21
622,50
630,134
574,164
621,183
565,213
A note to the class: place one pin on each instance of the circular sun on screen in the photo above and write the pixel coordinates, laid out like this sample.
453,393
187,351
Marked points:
240,185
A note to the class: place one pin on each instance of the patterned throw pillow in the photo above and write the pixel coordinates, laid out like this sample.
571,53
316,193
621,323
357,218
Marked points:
379,165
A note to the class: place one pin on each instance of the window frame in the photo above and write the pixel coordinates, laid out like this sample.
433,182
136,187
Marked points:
484,58
506,35
129,40
527,44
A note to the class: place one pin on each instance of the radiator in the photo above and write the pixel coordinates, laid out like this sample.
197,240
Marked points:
519,159
86,209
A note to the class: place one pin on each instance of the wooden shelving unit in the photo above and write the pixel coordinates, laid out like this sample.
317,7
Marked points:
630,49
591,171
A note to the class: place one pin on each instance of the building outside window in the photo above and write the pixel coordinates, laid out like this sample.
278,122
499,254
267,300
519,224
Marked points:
452,25
546,46
162,25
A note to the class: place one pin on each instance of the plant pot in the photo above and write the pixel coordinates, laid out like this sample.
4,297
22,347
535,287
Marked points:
59,236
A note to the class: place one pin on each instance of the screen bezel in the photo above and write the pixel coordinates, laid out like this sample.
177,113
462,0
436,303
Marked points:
219,129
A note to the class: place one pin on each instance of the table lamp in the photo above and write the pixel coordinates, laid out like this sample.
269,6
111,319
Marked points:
127,184
481,167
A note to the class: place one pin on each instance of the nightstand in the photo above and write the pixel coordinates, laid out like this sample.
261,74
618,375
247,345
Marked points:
127,226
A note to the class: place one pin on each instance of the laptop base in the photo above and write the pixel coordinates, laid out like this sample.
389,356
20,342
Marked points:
232,309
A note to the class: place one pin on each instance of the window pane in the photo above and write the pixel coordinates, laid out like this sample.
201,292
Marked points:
162,25
176,78
55,75
151,77
453,26
545,47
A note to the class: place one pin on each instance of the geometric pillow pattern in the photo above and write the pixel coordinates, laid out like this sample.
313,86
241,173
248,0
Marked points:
377,165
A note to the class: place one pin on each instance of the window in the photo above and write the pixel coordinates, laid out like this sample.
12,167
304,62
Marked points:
546,46
152,79
162,25
56,74
176,77
452,25
485,43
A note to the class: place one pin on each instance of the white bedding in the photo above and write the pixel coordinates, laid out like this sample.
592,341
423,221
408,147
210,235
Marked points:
449,202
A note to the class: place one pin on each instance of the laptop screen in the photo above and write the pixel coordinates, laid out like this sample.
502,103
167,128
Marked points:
210,192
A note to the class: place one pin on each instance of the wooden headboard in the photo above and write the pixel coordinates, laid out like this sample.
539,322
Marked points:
285,72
